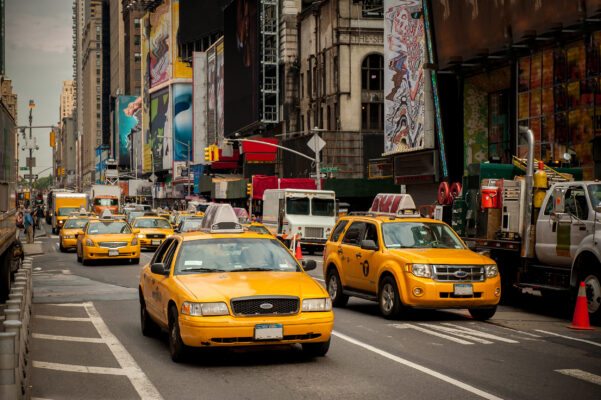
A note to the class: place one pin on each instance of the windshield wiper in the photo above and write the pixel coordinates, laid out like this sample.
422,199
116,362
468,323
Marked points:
252,269
202,269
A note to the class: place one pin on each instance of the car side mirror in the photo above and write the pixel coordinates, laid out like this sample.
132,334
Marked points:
369,245
136,231
79,233
158,268
309,265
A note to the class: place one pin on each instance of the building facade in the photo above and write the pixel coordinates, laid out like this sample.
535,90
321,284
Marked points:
67,101
9,98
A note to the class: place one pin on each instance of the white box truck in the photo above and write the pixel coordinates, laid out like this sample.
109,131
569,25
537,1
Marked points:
308,214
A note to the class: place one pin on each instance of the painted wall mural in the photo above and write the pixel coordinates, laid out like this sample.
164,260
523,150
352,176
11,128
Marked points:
182,121
160,29
129,122
404,56
145,67
475,125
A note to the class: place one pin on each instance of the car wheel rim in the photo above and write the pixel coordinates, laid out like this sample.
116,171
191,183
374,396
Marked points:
593,293
333,287
387,297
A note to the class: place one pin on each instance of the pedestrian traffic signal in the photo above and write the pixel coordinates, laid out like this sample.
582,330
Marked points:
249,189
208,154
52,139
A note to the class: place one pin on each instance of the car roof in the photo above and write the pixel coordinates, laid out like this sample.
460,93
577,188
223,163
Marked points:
200,235
387,218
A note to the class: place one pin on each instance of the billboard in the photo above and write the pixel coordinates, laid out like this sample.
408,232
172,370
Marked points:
219,82
404,87
160,126
180,68
199,101
241,42
212,98
145,68
128,122
182,121
159,42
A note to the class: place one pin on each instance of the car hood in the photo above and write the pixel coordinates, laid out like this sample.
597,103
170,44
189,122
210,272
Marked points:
442,256
225,286
111,237
156,230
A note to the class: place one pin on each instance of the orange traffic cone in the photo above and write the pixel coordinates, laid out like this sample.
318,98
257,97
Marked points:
581,320
299,253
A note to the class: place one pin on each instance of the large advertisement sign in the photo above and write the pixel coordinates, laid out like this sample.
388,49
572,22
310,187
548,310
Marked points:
160,30
199,93
180,68
212,97
404,55
241,65
159,138
145,67
182,121
219,82
128,122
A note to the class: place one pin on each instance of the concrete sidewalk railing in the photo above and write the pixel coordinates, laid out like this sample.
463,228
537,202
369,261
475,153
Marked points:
15,317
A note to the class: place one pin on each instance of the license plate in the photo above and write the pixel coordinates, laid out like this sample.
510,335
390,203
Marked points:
269,332
155,242
464,290
113,253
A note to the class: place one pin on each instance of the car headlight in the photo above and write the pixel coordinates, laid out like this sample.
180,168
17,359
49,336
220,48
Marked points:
204,309
491,270
89,243
324,304
134,242
141,236
421,270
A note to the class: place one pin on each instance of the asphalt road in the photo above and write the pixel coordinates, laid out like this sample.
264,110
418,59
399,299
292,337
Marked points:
87,344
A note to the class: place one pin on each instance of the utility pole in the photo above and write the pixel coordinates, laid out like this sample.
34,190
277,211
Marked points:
30,145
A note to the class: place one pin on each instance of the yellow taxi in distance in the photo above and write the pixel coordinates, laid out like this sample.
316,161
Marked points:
257,227
402,260
67,236
107,239
153,230
223,286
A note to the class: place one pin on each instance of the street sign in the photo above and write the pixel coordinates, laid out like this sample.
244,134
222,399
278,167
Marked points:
320,175
32,177
153,178
329,169
184,172
316,143
23,168
30,161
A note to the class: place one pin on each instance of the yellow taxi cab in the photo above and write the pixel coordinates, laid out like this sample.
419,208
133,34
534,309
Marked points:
153,230
395,257
223,286
67,237
107,239
257,227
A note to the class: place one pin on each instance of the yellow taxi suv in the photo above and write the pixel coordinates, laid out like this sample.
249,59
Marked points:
107,239
223,286
395,257
67,236
256,227
153,230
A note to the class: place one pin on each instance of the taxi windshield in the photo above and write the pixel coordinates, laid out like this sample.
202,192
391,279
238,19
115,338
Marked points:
75,223
106,202
258,229
100,228
159,223
419,235
190,224
234,255
65,211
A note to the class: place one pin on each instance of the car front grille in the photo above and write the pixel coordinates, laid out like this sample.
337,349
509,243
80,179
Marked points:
112,245
458,273
313,232
156,236
265,305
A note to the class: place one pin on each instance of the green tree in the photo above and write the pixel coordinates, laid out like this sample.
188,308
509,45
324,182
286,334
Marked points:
43,183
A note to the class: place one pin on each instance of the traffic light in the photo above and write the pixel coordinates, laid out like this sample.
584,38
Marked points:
215,152
249,189
52,139
62,171
208,154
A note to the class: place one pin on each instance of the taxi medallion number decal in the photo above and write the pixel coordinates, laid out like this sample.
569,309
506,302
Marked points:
269,332
365,268
113,253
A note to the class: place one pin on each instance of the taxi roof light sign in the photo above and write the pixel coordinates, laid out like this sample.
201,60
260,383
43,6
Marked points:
106,214
394,204
220,218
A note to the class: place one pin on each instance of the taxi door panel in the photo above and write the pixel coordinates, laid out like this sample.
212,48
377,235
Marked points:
349,253
367,261
151,289
164,294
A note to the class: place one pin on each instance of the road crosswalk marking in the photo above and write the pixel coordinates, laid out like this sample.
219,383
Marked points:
569,337
54,318
580,374
66,338
456,333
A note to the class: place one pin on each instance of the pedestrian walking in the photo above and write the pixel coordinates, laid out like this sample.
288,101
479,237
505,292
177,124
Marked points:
28,223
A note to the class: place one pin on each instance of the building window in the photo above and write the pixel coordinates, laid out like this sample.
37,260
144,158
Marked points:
97,115
97,80
371,73
98,142
98,54
97,28
137,57
98,106
137,40
97,38
137,91
372,9
372,115
137,22
98,132
302,85
97,124
98,63
97,89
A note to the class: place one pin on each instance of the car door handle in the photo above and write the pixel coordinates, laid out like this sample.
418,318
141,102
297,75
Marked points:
339,251
583,228
358,255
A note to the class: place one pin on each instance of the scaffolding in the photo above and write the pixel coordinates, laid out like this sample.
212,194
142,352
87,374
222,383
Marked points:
270,59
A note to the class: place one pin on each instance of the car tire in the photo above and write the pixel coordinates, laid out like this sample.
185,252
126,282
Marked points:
334,288
592,280
147,324
177,348
85,262
316,349
482,314
61,248
389,299
135,260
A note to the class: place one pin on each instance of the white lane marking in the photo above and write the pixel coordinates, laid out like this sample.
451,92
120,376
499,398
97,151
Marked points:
457,332
568,337
66,304
137,377
481,334
71,319
517,331
39,398
418,367
580,374
79,368
57,246
66,338
431,332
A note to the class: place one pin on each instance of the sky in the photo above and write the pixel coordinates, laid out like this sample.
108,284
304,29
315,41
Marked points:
39,56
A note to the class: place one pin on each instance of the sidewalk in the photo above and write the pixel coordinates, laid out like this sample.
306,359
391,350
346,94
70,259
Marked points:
33,249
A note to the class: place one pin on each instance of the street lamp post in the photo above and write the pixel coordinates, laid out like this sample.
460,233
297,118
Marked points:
31,107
